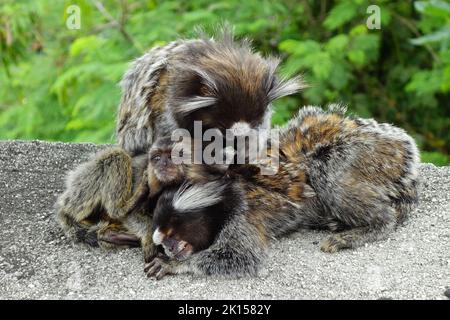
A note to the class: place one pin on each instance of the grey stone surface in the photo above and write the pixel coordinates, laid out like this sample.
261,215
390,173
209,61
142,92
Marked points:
38,262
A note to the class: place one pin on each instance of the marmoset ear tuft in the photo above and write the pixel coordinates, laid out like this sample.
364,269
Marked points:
195,196
277,87
195,103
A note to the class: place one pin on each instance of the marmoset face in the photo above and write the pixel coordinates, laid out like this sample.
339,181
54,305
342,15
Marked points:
161,162
236,112
188,219
226,87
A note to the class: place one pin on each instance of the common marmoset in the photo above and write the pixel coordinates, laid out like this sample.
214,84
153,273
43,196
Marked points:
109,200
349,175
222,83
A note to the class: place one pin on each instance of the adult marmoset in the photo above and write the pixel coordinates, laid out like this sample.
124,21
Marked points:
221,82
355,177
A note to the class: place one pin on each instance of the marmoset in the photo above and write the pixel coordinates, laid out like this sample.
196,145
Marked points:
222,83
352,176
109,200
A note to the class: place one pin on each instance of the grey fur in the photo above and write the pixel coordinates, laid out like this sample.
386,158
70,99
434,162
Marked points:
236,252
108,185
90,185
371,206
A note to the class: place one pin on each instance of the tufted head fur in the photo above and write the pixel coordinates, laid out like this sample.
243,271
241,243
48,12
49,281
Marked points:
222,82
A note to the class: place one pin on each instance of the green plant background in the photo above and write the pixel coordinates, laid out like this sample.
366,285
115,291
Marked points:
62,84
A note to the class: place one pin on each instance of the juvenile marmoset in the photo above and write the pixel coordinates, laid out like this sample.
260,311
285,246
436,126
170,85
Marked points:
222,83
352,176
109,200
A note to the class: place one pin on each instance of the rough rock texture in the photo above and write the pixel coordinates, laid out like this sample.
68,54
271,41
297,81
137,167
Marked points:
38,262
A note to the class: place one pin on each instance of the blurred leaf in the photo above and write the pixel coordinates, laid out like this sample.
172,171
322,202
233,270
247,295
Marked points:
338,44
434,7
439,35
357,57
437,158
85,45
340,14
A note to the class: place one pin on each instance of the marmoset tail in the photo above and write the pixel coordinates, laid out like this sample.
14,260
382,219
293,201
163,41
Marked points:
221,82
352,176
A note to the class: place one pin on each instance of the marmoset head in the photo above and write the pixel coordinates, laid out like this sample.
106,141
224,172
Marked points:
225,85
188,219
161,164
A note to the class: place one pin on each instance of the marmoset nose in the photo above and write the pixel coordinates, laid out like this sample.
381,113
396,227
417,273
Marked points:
240,128
171,244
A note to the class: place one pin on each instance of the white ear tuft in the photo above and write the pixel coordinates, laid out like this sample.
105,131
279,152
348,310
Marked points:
193,104
286,87
195,196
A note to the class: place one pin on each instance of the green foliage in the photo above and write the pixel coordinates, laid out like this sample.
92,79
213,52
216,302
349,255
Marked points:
435,157
62,84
